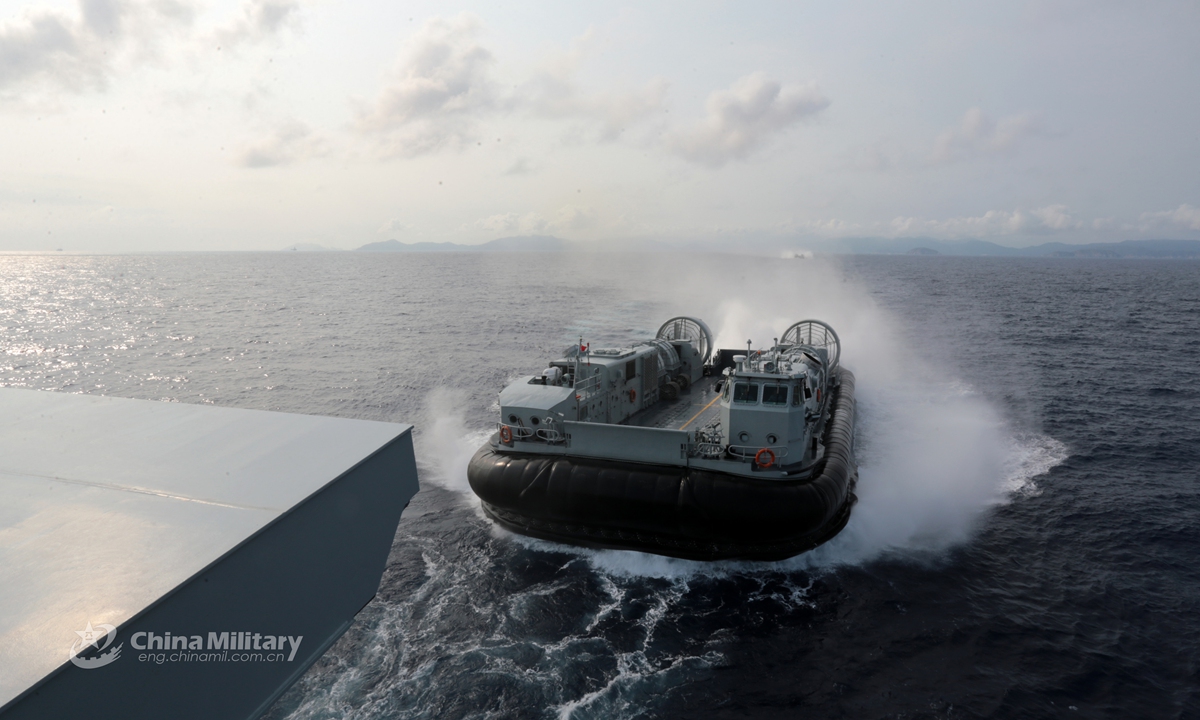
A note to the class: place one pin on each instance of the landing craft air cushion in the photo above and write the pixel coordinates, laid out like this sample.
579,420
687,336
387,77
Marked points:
638,448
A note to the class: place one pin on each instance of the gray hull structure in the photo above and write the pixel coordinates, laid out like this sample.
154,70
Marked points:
723,490
167,560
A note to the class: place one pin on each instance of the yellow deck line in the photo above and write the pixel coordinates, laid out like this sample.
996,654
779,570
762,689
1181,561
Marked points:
710,404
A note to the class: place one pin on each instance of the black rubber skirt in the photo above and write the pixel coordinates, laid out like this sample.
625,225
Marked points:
681,512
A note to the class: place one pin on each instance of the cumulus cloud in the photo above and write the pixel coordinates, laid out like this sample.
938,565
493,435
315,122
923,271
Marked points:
993,222
437,91
442,89
554,92
513,223
258,20
288,143
1184,216
573,217
745,117
565,219
977,134
832,227
1056,217
81,50
393,225
84,49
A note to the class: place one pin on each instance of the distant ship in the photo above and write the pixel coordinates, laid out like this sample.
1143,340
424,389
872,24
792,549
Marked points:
667,447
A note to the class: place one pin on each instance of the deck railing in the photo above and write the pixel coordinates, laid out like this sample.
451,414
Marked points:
588,387
747,452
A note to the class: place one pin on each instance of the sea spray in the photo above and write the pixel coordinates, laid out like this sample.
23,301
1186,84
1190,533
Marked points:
445,445
933,453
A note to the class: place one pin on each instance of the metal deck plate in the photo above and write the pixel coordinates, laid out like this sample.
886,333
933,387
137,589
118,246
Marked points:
107,504
696,404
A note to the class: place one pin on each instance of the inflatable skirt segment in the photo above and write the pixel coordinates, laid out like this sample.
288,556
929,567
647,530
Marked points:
681,512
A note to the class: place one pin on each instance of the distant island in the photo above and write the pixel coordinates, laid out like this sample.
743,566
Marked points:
797,248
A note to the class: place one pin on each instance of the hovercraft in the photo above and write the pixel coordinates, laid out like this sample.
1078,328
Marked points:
668,447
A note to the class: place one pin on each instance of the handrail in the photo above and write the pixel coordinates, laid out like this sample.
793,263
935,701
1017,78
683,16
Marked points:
747,452
550,435
519,432
589,387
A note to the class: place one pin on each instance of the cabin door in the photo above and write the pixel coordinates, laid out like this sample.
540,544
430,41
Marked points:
650,379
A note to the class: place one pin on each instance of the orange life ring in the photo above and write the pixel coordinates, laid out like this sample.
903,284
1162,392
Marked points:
758,458
632,395
506,435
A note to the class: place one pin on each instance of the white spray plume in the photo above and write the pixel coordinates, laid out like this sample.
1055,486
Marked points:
933,454
445,445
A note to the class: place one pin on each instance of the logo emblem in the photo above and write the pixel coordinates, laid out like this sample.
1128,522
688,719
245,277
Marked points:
91,637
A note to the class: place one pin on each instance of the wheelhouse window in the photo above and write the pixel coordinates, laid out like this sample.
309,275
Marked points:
745,392
775,395
798,394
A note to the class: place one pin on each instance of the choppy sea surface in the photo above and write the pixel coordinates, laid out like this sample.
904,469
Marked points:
1025,542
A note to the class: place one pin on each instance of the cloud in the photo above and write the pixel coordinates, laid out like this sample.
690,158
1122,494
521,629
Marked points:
393,225
520,167
1184,216
513,223
991,223
442,88
437,92
288,143
554,92
744,118
977,134
47,44
566,218
78,51
879,156
1056,217
259,20
573,217
84,50
830,227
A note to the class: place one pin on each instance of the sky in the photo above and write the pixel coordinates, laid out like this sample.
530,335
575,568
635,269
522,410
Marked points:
163,125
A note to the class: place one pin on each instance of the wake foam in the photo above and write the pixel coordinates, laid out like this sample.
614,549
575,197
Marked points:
577,643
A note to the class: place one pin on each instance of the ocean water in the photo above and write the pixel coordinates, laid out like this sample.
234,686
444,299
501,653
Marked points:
1029,435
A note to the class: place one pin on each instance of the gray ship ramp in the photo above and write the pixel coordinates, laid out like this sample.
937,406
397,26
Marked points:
168,560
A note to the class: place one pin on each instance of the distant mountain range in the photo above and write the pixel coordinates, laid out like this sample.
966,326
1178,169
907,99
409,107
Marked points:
982,248
524,243
793,247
